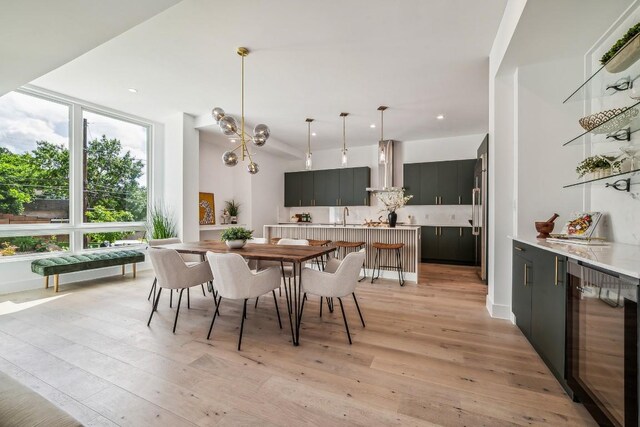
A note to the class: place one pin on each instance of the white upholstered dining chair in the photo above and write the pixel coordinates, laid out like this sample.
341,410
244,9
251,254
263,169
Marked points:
339,279
173,273
234,280
188,258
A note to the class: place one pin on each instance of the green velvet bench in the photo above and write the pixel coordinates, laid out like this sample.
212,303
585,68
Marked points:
71,263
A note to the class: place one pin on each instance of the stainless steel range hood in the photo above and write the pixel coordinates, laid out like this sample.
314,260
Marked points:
385,168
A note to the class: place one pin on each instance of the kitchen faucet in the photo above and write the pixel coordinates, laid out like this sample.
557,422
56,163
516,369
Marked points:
345,214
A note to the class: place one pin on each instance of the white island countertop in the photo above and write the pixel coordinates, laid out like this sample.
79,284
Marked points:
617,257
320,225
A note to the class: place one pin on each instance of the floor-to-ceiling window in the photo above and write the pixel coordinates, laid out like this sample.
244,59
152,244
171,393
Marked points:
72,177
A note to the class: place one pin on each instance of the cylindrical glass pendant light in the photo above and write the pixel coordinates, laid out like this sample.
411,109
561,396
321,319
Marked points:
308,163
344,159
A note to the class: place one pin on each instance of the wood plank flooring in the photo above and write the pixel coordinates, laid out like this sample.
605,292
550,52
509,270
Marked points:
429,355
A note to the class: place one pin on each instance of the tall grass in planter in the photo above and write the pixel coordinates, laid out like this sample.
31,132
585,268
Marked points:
162,223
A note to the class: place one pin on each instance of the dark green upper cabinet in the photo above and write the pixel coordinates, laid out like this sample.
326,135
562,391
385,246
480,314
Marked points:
429,183
307,192
330,187
411,174
326,184
447,183
361,181
293,189
346,196
466,173
440,183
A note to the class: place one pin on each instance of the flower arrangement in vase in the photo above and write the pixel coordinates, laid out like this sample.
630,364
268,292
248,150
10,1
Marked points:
393,200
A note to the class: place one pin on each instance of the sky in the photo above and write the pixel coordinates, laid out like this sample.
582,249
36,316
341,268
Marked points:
25,119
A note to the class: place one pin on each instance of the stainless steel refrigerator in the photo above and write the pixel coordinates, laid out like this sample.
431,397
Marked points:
480,207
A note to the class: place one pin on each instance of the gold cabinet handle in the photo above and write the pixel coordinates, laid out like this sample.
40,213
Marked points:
459,200
557,279
460,231
436,230
518,248
436,200
526,279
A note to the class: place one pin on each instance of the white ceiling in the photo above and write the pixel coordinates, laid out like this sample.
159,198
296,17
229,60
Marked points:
309,59
37,36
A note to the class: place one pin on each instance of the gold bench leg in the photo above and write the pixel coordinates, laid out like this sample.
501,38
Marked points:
56,282
46,282
134,270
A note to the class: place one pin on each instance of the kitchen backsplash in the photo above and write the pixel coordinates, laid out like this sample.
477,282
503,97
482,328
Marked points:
441,215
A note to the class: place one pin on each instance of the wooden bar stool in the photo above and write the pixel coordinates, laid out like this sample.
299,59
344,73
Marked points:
275,240
388,247
343,248
320,261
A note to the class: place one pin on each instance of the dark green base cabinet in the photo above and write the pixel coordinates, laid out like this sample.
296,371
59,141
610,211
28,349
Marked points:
539,301
449,245
329,187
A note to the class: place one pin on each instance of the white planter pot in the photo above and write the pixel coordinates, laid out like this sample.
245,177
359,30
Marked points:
235,244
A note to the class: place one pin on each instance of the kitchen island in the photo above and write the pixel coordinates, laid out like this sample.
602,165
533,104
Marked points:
407,234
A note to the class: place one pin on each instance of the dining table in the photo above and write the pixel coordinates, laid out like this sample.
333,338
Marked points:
295,255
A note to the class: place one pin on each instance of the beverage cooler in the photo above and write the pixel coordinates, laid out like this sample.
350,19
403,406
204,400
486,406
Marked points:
602,337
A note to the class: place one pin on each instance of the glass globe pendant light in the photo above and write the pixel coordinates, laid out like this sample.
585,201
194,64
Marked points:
344,159
229,127
308,162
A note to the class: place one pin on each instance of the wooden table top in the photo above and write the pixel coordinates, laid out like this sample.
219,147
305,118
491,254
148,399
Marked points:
265,252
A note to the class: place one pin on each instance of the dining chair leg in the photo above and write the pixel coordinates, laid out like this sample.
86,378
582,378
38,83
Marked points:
346,325
330,304
153,289
175,322
256,306
170,298
204,294
321,304
155,306
215,314
358,307
188,299
244,316
275,300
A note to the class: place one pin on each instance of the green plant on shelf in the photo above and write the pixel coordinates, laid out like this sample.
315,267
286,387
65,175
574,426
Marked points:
631,33
232,207
597,163
236,233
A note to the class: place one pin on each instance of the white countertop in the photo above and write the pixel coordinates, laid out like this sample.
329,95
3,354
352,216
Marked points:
338,226
618,257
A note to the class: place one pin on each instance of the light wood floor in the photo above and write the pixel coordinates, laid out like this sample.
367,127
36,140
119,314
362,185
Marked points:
429,355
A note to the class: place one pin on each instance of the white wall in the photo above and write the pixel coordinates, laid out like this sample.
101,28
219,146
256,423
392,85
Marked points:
181,174
543,124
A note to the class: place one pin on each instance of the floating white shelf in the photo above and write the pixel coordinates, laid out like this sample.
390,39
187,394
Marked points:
219,227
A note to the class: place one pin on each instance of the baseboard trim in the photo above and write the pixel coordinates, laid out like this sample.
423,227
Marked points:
498,311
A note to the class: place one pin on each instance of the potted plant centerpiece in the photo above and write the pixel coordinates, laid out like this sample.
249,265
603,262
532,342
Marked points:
392,201
236,237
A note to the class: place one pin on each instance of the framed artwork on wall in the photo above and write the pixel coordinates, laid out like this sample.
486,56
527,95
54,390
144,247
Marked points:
207,209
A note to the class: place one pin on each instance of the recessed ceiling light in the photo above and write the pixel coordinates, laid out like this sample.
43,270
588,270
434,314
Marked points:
233,140
133,90
372,125
440,117
313,134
